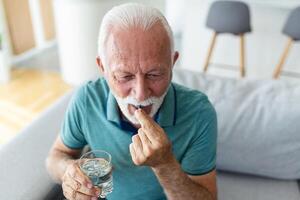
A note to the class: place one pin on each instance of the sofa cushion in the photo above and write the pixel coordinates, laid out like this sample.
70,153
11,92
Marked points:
23,173
259,128
234,186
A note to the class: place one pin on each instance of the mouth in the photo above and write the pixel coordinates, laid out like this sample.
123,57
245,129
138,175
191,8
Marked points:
133,108
139,106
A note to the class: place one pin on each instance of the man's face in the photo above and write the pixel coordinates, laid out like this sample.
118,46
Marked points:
139,67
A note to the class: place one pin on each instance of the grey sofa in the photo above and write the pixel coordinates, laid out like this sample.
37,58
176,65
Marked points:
22,161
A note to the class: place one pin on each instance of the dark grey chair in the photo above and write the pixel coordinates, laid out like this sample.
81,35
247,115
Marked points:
292,30
231,17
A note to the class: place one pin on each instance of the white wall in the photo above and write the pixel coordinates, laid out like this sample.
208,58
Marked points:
5,51
77,26
263,46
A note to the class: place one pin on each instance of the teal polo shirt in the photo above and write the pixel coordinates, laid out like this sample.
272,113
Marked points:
186,115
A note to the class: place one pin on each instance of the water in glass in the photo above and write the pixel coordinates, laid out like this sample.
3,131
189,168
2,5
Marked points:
99,171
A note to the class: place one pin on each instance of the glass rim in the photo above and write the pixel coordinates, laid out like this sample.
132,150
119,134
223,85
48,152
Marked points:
99,151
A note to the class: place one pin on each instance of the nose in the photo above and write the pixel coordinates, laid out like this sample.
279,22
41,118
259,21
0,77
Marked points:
141,90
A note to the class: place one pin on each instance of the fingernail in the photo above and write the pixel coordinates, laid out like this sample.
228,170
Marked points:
89,185
139,110
94,198
136,112
97,192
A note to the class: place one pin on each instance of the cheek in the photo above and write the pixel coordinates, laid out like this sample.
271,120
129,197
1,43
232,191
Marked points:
158,88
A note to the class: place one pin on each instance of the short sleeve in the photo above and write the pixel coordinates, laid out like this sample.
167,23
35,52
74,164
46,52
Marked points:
72,134
200,157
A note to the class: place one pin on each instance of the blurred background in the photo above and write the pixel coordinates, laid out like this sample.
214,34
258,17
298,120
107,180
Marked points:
47,47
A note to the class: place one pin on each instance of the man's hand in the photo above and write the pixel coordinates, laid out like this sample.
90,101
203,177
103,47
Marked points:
76,185
150,146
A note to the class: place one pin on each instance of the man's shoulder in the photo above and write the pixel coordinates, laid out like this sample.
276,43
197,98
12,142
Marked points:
99,85
94,90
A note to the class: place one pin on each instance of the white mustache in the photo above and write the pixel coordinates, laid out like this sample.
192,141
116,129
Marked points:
123,103
134,102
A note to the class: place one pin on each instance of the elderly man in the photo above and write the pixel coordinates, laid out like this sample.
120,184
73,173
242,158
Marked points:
162,136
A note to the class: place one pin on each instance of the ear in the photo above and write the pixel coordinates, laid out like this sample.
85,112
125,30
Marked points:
175,57
100,65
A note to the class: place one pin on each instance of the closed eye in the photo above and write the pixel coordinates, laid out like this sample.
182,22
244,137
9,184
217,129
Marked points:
127,77
124,77
154,76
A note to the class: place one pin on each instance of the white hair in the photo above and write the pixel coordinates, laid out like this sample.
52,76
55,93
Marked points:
130,15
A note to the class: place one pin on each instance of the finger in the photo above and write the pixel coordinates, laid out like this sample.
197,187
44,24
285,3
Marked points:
149,126
67,191
145,120
76,186
133,154
71,194
76,173
131,150
138,148
144,139
137,143
147,144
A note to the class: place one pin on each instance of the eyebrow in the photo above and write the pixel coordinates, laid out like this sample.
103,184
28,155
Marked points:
157,70
160,69
122,71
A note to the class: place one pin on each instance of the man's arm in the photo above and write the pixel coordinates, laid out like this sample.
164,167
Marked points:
59,158
64,168
178,185
151,147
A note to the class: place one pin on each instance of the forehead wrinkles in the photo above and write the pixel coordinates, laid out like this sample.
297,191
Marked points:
135,42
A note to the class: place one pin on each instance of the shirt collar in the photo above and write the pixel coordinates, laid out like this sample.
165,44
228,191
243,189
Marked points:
112,109
166,114
167,111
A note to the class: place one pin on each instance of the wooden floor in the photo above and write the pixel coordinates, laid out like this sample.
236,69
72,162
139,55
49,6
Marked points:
28,93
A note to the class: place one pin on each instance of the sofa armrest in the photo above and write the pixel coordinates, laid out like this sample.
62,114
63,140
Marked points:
23,173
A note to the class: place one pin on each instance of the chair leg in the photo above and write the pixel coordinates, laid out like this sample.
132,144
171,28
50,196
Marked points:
242,56
212,45
278,69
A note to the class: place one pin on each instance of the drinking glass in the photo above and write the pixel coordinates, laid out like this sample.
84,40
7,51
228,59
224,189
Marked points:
97,166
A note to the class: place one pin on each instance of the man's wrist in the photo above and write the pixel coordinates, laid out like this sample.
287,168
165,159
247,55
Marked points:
171,164
64,165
